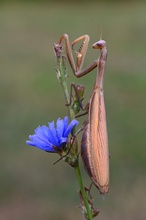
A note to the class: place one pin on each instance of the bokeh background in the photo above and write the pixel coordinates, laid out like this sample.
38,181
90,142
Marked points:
31,187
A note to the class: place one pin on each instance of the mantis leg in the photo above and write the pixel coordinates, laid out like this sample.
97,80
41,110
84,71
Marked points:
77,98
80,55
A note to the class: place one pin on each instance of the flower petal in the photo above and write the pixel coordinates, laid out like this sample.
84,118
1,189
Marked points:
52,134
63,140
39,143
42,132
59,128
70,127
65,123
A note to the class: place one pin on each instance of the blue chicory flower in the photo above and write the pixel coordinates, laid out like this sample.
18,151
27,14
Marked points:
51,139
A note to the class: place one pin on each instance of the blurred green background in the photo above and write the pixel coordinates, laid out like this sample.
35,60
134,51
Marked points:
30,186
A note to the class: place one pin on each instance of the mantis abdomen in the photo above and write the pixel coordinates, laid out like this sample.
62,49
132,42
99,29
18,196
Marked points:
94,144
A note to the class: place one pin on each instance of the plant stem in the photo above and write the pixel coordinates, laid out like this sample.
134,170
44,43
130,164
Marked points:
63,80
78,174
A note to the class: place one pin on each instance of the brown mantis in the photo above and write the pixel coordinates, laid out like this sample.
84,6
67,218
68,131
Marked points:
94,144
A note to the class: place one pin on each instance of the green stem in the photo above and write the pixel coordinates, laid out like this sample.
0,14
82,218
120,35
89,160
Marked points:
78,174
63,81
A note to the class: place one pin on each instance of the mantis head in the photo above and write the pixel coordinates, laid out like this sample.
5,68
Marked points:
99,44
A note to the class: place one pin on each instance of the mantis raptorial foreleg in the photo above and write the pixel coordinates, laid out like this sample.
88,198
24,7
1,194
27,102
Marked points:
80,55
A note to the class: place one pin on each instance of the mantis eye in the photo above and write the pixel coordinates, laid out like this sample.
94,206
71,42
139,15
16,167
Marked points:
99,44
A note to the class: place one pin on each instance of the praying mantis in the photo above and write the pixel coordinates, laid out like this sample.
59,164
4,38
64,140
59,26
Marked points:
94,143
